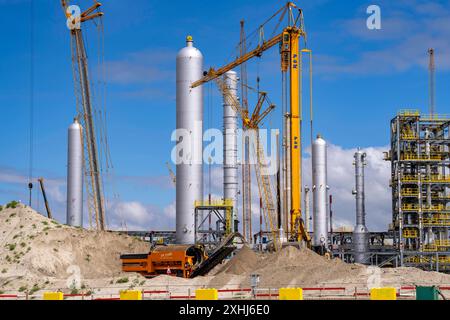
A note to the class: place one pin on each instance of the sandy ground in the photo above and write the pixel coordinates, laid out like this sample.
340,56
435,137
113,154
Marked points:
38,254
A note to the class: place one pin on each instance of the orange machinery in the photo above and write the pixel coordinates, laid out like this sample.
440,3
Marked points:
181,260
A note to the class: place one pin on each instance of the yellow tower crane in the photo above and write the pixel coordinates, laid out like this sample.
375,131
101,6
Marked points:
289,40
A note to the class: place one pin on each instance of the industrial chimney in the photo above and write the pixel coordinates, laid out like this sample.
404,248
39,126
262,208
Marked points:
75,175
360,233
189,168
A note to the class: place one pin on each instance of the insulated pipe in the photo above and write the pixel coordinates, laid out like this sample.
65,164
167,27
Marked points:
189,148
230,168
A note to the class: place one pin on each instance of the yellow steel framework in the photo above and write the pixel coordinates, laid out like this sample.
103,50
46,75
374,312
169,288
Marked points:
225,204
419,155
410,233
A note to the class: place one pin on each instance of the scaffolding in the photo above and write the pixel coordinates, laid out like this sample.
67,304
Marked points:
420,182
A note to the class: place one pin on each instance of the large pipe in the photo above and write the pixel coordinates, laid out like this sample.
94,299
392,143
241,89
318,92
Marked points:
360,233
307,213
75,175
230,168
189,169
319,175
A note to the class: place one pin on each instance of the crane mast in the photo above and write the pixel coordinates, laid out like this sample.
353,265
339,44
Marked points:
94,187
246,172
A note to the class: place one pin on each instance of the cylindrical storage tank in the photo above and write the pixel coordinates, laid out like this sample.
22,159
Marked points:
360,233
319,177
75,175
189,162
230,168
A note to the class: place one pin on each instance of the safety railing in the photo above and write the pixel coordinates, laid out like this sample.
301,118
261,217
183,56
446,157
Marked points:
435,117
409,192
410,207
410,233
409,113
214,203
423,157
409,136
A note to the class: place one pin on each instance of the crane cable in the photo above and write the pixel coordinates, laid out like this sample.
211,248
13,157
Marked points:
31,124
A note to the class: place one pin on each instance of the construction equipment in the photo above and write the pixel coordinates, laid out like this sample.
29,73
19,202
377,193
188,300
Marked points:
179,260
187,261
94,188
246,167
251,123
289,40
44,195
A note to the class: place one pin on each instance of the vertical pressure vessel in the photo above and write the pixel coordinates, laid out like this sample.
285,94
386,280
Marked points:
319,175
360,233
75,175
189,149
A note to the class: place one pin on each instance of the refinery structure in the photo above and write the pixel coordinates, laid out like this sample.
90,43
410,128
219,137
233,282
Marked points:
419,155
420,184
210,231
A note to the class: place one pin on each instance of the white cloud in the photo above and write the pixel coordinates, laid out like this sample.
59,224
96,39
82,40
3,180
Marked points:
341,180
132,212
170,211
408,30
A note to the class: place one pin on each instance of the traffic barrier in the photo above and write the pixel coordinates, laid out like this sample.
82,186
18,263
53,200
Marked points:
383,294
130,295
206,294
290,294
53,296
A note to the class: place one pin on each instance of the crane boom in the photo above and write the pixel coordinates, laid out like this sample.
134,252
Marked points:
94,186
213,74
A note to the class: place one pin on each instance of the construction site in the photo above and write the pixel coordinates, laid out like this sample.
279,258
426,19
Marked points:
268,234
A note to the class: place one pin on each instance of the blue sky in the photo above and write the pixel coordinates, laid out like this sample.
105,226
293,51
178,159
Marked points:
361,78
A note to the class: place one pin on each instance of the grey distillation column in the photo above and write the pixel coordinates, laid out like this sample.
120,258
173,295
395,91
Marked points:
75,175
189,169
319,189
230,168
360,233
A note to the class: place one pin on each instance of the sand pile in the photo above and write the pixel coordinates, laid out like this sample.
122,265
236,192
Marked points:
303,267
286,267
243,262
33,247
